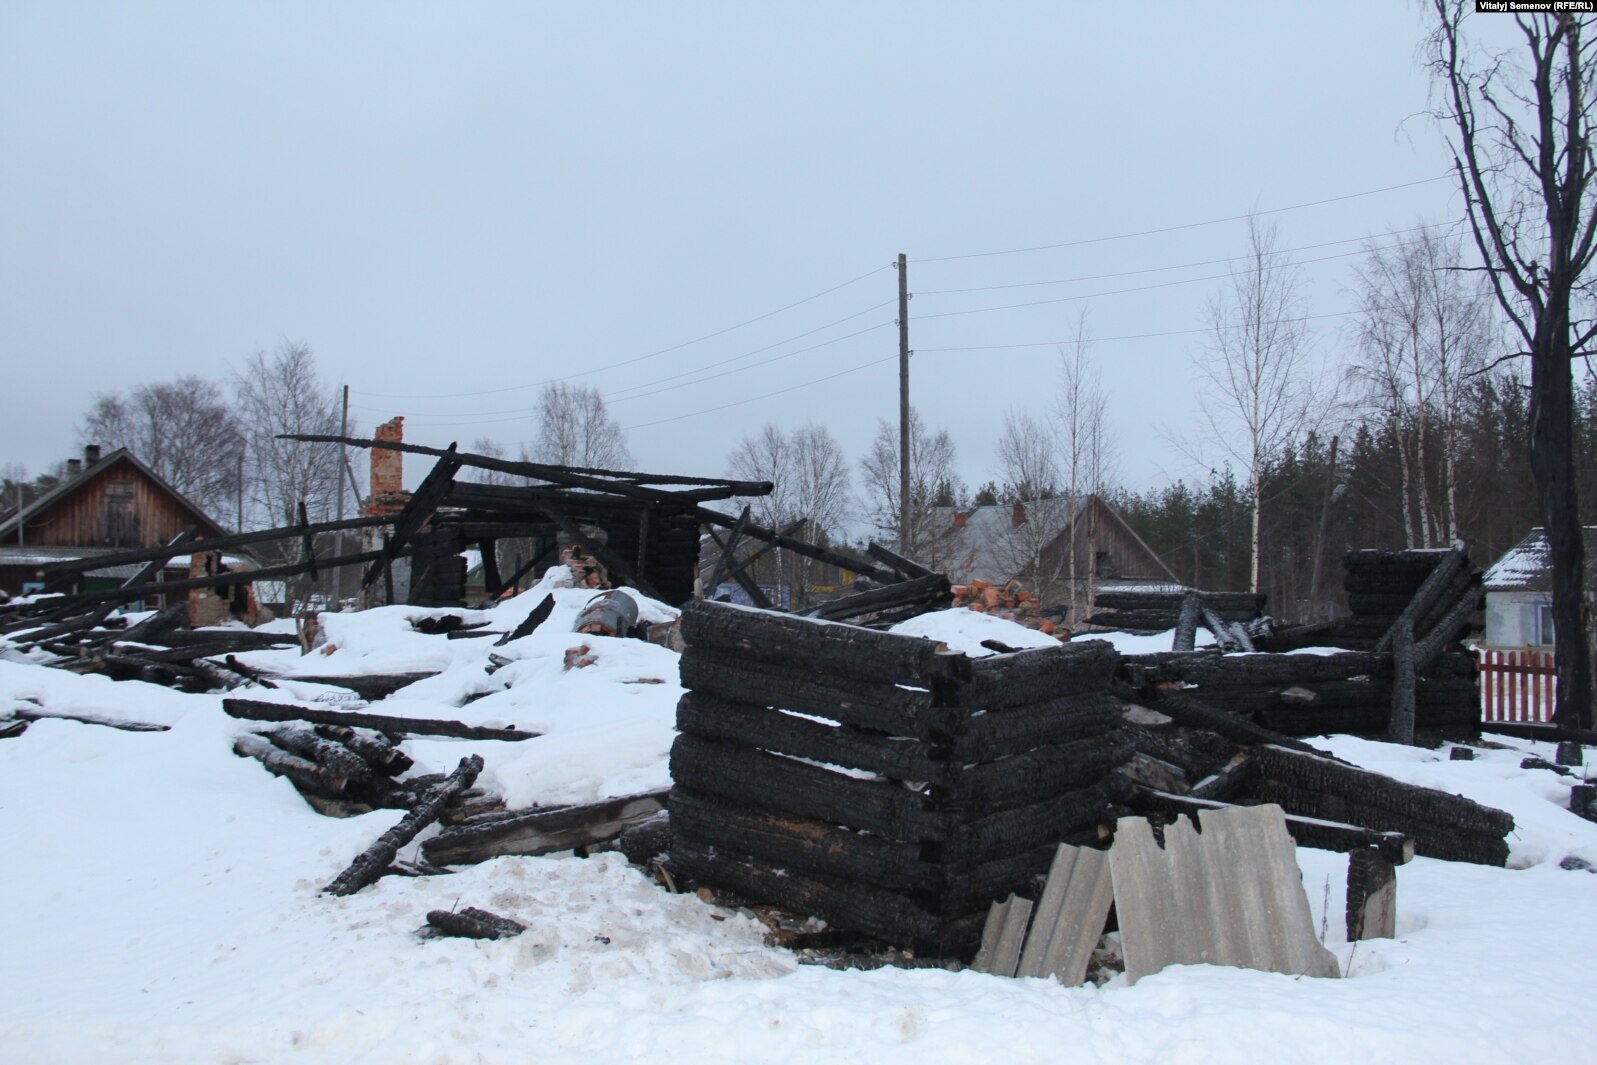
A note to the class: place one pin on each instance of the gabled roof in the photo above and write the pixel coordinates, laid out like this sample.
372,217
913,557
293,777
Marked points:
10,523
1528,567
984,547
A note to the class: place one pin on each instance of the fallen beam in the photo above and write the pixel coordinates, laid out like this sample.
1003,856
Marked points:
254,710
374,860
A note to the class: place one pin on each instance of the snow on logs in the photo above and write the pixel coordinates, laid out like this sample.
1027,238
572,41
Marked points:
877,781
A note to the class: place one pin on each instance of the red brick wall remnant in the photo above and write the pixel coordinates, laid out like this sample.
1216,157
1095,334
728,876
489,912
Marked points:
388,471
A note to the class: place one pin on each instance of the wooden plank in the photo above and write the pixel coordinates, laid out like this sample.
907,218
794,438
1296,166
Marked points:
1232,895
727,550
1070,916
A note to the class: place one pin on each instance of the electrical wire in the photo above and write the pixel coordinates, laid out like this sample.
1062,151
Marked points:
1184,226
1183,266
1139,288
639,358
767,395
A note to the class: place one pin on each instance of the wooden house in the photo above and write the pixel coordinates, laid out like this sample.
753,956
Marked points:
105,503
1032,542
1519,593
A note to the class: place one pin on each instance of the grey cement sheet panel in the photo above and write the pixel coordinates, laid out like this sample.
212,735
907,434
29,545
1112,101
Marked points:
1070,916
1230,895
1002,937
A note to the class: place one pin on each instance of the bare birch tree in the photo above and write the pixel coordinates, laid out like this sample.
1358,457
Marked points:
932,483
576,429
1086,458
1521,126
1028,468
184,429
282,393
1422,333
1261,393
811,484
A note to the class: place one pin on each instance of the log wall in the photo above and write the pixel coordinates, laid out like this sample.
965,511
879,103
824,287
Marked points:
877,783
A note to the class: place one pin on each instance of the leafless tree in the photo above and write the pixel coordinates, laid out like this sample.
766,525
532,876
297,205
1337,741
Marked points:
1028,469
1422,332
933,483
766,456
1521,123
1261,393
576,429
811,484
281,393
184,429
1087,458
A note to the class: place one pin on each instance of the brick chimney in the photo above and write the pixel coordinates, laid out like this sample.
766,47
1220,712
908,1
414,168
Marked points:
74,467
1017,516
960,518
91,454
388,471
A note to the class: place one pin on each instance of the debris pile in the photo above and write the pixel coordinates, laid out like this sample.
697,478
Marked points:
1012,602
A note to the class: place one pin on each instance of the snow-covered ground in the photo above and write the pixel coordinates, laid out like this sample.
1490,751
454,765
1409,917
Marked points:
162,904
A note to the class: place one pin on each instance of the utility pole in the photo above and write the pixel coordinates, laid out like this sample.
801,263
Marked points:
903,406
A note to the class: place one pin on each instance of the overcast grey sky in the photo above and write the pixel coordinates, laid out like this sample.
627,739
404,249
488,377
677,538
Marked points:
453,203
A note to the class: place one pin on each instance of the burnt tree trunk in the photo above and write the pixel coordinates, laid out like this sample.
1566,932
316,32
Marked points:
376,858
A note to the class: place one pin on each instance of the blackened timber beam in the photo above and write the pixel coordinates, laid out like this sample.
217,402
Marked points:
899,562
153,570
307,541
612,562
577,476
802,547
923,593
1426,597
531,563
418,510
64,572
1309,831
490,567
727,553
740,574
220,580
254,710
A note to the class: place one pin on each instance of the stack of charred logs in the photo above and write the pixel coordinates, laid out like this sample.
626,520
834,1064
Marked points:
869,779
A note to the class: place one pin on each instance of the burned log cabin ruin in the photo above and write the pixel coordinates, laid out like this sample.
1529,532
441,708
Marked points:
878,781
898,790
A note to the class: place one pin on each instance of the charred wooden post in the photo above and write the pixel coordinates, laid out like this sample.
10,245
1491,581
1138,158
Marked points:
1371,895
305,774
1403,656
375,859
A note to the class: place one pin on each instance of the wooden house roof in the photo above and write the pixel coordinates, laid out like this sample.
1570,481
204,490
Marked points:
61,495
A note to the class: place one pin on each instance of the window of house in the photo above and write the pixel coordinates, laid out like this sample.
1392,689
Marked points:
1544,623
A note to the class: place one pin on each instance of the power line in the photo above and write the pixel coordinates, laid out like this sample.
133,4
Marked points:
1165,333
684,373
767,395
636,359
1137,288
1187,225
1182,266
